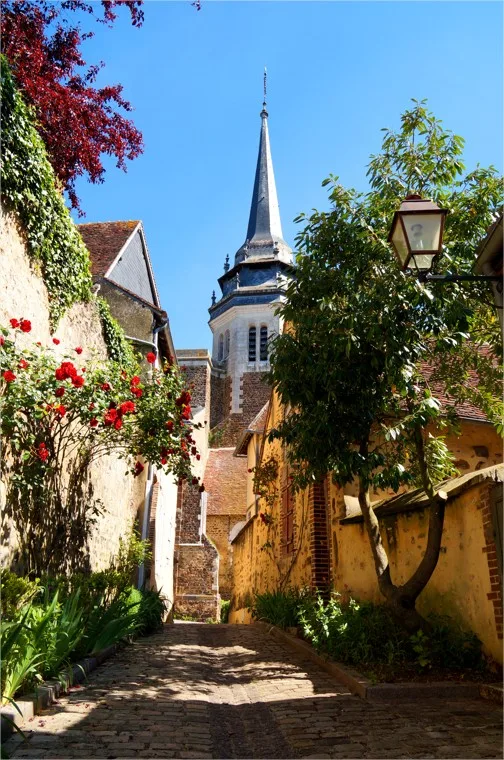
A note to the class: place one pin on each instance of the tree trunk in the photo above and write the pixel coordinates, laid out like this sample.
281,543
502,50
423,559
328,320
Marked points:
402,599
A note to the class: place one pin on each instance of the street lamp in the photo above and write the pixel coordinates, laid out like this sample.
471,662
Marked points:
416,235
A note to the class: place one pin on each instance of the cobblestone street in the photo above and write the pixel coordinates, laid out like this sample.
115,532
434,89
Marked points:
210,691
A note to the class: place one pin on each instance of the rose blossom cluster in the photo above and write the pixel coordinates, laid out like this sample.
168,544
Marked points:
176,449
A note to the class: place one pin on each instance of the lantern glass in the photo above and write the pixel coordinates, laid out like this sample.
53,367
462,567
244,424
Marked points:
423,231
399,242
423,261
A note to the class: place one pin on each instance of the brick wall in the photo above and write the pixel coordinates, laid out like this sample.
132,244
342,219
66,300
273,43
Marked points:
319,543
485,497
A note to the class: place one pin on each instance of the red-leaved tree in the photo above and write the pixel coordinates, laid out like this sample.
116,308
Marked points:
79,122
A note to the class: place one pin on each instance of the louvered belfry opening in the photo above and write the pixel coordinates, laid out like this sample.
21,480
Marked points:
252,344
263,346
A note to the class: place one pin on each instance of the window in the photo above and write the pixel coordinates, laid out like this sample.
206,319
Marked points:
263,345
227,344
287,515
252,344
220,355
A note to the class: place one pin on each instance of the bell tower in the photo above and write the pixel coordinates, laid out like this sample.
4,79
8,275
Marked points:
243,319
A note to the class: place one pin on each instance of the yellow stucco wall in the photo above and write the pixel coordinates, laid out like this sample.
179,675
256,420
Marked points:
459,586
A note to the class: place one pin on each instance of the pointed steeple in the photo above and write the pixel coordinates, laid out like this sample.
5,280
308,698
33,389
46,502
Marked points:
264,232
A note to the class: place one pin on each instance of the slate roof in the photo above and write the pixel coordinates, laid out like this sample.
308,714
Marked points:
225,483
104,240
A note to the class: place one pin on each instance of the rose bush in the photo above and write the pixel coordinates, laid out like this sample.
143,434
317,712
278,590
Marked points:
58,417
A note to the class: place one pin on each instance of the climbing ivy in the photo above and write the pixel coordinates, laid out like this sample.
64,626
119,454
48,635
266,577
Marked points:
119,349
29,189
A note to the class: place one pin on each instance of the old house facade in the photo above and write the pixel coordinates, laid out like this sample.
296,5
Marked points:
316,538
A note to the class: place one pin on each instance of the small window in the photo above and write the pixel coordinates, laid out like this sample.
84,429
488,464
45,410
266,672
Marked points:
227,343
263,345
221,348
252,344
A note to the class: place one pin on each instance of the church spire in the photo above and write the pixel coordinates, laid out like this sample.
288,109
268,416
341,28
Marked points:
264,232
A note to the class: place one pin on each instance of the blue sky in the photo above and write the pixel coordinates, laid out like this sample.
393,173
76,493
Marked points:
337,73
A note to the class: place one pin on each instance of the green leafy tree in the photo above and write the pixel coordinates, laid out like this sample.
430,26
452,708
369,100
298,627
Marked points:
372,345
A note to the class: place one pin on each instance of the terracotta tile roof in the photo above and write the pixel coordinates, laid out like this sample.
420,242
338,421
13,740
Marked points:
466,409
226,483
104,240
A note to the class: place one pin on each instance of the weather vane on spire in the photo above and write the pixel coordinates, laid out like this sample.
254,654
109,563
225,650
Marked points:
264,111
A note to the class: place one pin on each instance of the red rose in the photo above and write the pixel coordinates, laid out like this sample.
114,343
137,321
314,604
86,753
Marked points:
163,460
151,358
105,386
169,425
201,488
110,416
61,410
118,423
91,406
2,340
198,457
78,381
25,325
194,450
23,364
42,452
59,392
56,341
138,468
126,407
135,380
195,481
14,323
78,350
9,376
138,392
186,413
93,422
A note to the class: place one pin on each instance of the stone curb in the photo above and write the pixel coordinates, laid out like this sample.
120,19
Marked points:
384,692
48,692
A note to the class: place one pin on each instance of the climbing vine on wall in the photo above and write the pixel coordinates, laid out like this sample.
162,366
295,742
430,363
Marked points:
29,189
117,344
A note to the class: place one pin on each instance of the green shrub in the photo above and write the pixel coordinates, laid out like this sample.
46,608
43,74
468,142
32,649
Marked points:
224,610
15,592
278,607
151,611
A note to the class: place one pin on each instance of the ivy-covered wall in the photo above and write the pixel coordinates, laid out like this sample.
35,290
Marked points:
29,189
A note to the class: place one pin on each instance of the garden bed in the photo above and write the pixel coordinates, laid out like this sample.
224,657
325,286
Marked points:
435,684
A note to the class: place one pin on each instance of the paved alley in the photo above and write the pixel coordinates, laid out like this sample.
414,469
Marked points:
212,691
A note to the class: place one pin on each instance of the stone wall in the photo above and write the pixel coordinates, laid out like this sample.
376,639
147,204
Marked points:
218,528
254,392
188,514
23,294
196,581
220,397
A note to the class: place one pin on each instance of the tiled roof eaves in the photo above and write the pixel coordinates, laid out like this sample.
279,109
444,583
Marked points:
416,500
